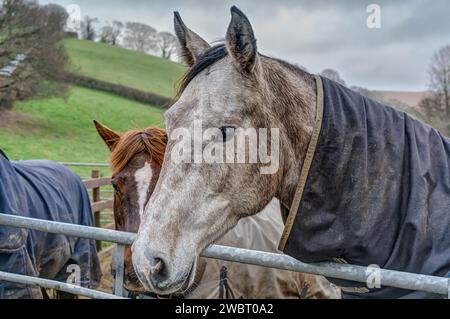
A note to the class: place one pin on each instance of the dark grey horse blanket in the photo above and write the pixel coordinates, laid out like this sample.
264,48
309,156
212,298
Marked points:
376,190
44,190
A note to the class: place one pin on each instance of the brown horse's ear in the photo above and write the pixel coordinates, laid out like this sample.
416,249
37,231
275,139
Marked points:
191,45
109,136
241,41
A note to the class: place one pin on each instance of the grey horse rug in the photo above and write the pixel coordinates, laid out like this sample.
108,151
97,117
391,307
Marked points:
49,191
374,190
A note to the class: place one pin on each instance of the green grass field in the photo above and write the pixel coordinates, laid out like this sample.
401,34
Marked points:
121,66
62,130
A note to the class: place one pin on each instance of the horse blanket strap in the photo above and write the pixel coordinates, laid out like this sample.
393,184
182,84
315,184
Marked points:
306,166
374,189
225,291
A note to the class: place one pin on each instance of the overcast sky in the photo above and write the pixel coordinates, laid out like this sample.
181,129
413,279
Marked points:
316,34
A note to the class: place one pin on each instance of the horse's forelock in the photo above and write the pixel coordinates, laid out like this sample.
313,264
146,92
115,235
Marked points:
151,141
211,56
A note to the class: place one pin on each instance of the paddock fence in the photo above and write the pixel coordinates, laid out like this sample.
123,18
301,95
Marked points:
96,184
389,278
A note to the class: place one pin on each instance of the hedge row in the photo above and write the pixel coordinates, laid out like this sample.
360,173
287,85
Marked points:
121,90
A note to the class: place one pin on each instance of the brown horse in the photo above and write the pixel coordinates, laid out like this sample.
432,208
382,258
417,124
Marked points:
364,183
136,160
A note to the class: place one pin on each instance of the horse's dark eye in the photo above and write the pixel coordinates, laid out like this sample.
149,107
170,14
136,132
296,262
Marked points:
116,188
227,133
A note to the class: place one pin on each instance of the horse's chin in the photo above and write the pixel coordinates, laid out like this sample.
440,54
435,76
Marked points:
134,287
189,282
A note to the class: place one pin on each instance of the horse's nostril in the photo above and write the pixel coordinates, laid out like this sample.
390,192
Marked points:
158,271
157,265
152,268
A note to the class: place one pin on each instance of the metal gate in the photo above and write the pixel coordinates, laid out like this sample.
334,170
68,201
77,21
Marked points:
391,278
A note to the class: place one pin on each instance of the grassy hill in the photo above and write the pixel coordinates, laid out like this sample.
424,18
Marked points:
120,66
62,130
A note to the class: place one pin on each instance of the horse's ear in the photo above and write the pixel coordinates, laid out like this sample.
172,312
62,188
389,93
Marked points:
109,136
191,45
241,41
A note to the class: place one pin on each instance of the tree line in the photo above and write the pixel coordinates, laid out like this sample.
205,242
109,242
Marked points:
135,36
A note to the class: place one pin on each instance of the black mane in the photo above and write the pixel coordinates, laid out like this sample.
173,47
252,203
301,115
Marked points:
215,54
211,56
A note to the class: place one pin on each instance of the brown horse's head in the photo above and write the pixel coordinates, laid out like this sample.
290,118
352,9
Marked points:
136,159
235,107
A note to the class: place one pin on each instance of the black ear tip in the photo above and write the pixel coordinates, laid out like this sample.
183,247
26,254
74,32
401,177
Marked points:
98,125
177,18
236,10
179,25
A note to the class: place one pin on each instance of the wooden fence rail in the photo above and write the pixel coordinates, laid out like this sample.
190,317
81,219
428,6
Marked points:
98,205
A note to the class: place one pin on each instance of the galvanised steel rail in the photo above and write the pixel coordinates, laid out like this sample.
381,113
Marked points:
391,278
51,284
75,164
94,233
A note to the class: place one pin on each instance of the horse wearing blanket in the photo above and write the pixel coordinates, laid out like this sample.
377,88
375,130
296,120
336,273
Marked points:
49,191
363,182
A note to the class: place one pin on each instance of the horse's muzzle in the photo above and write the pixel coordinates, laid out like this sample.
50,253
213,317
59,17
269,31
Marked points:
153,271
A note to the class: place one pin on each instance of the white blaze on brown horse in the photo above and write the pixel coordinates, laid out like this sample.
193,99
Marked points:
136,158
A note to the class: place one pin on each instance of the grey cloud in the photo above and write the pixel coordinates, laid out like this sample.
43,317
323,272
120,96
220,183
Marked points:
317,34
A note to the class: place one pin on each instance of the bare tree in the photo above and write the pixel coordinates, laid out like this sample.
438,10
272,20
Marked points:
31,61
332,75
106,34
435,107
88,29
440,78
167,44
110,33
139,37
117,29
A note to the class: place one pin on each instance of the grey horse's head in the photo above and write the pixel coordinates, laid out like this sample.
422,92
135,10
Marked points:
223,160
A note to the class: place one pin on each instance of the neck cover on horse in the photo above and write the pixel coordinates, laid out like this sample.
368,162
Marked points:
49,191
374,189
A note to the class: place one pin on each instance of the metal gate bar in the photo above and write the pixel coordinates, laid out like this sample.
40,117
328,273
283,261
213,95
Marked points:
74,230
51,284
84,164
397,279
118,284
94,233
390,278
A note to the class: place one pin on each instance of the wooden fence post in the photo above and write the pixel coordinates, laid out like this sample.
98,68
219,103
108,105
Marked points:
97,198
